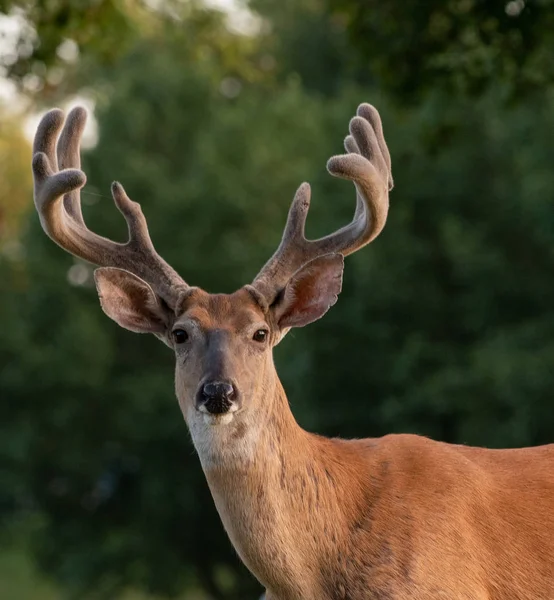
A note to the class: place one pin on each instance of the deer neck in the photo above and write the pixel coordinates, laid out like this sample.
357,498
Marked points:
257,437
261,492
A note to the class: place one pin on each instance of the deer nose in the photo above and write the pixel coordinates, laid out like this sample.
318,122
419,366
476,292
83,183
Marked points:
217,397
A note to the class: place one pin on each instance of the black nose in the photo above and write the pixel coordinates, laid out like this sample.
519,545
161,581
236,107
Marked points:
217,396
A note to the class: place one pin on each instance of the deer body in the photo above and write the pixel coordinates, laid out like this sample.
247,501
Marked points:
396,518
400,517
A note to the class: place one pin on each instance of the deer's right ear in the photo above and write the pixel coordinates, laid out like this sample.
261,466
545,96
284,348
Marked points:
311,292
130,301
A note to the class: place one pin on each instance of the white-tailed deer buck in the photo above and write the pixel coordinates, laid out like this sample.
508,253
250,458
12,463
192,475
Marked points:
396,518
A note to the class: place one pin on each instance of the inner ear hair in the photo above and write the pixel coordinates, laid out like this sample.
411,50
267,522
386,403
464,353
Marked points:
310,292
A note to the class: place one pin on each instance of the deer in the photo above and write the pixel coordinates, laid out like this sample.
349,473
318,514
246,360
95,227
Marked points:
400,517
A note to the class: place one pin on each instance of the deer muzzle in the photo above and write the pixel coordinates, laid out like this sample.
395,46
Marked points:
217,398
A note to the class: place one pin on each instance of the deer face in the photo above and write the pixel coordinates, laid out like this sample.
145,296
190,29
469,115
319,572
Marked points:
222,342
223,352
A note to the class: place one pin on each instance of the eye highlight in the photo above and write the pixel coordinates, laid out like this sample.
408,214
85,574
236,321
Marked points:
260,335
180,336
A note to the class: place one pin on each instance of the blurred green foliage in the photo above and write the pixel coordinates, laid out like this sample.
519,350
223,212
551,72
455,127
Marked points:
15,179
445,325
47,37
459,45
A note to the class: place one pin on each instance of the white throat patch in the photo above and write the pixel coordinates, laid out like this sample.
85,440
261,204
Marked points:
227,440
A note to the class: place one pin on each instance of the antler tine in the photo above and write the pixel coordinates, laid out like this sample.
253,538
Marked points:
58,203
69,157
368,165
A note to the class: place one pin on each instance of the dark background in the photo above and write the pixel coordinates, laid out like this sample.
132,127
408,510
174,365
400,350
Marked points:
445,326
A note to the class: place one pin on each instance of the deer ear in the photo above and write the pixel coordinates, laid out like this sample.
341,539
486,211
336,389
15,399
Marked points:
310,292
130,301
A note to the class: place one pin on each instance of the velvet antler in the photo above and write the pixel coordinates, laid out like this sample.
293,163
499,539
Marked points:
58,181
368,165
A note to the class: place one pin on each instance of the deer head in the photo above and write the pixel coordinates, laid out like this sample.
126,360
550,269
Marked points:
222,342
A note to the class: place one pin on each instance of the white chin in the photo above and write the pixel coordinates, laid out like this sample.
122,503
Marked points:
223,419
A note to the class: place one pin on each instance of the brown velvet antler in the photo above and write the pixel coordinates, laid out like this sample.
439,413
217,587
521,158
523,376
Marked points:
58,181
368,165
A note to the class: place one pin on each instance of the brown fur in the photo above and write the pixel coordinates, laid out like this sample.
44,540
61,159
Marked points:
392,518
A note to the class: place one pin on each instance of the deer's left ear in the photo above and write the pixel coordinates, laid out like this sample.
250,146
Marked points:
310,292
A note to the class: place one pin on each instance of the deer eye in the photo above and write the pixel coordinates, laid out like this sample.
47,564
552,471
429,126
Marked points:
260,335
180,336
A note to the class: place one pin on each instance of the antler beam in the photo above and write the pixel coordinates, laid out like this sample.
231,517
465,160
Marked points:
58,181
368,165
